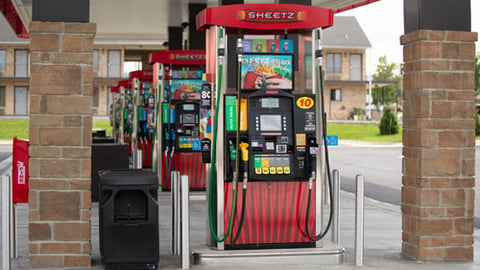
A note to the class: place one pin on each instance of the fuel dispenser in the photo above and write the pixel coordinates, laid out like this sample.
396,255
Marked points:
125,118
267,134
184,122
144,118
115,112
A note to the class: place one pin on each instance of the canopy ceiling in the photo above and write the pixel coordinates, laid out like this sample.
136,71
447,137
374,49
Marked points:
147,21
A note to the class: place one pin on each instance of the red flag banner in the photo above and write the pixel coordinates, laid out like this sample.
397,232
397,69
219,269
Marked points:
20,171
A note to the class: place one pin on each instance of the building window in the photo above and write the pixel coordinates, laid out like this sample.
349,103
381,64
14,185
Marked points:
95,96
334,62
334,66
355,67
21,100
3,59
95,62
2,96
130,66
114,59
335,94
21,63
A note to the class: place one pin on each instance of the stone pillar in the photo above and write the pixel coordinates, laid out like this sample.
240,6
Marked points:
439,145
60,139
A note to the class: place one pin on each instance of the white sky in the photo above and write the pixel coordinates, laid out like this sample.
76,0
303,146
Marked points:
382,22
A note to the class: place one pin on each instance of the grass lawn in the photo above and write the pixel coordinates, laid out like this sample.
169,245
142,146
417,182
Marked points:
361,132
103,124
9,128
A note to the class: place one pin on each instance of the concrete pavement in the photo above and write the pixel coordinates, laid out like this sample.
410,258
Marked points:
382,238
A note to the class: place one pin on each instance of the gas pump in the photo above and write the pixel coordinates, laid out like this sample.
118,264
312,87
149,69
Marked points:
145,117
115,113
184,121
267,133
126,112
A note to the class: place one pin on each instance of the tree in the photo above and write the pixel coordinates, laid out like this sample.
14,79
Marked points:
384,70
390,91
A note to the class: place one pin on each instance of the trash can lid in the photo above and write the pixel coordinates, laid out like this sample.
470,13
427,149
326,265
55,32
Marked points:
127,177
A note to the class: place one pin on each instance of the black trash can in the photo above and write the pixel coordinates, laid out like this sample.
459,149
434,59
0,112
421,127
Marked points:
106,156
128,219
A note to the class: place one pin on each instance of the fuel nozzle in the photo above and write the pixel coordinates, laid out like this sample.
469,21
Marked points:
232,150
244,151
167,135
233,157
244,155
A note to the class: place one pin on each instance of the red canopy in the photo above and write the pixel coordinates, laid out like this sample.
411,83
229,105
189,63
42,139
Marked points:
125,83
146,74
265,18
178,57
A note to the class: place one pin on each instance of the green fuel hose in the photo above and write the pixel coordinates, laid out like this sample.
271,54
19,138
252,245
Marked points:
213,227
160,152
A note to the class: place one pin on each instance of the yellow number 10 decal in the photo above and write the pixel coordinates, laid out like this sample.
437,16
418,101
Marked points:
305,103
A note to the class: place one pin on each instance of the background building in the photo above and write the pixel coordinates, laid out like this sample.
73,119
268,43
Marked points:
344,54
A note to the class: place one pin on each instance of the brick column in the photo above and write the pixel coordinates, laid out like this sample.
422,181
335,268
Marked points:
439,145
60,139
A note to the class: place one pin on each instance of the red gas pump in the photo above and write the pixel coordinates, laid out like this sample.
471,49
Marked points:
115,112
267,133
126,112
184,123
144,118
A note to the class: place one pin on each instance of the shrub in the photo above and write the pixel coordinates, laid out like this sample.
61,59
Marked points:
477,124
388,123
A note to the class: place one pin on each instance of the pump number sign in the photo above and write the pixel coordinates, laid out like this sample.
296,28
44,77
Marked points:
206,95
305,103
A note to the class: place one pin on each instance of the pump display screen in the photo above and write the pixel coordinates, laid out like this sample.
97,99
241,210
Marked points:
188,119
270,103
266,71
270,122
188,107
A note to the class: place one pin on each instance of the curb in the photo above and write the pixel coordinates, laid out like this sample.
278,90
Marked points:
368,144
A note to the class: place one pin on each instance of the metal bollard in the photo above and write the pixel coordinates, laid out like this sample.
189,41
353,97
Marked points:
336,207
139,159
209,238
359,219
5,222
185,222
13,223
175,197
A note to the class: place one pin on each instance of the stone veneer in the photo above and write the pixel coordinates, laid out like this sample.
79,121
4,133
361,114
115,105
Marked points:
439,145
60,144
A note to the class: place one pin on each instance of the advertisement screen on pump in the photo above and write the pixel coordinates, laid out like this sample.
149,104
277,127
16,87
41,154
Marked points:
266,71
184,89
